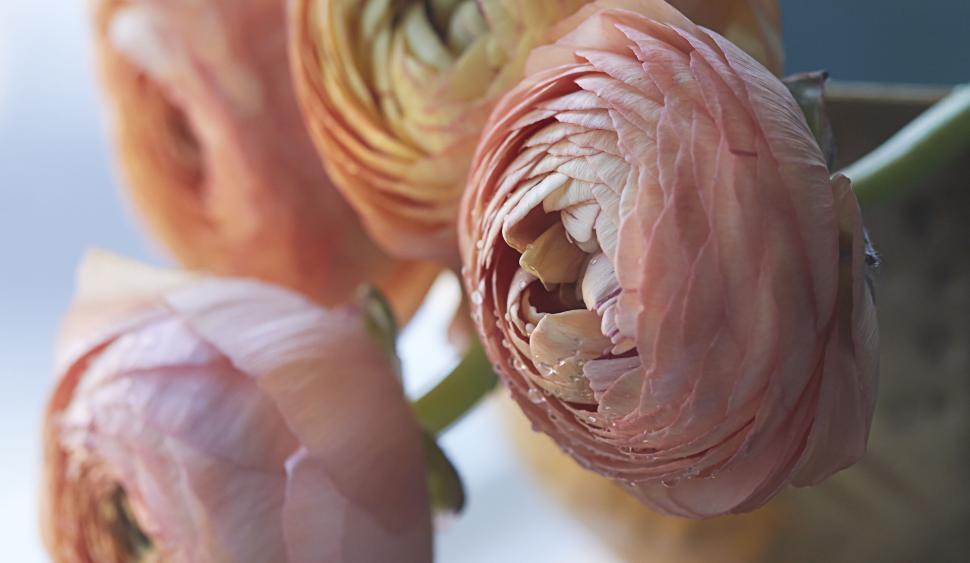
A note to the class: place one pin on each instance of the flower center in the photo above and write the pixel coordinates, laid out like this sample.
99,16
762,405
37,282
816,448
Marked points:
125,528
561,216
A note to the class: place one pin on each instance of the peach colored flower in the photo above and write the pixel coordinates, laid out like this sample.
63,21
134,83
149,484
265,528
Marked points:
664,271
202,419
216,156
396,95
753,25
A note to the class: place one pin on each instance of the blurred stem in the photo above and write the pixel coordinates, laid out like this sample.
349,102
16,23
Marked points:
444,483
467,384
916,152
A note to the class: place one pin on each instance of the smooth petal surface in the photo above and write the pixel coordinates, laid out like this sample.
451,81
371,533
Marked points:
659,188
216,157
396,95
227,420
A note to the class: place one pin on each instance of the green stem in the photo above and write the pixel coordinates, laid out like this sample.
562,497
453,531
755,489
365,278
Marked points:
917,151
467,384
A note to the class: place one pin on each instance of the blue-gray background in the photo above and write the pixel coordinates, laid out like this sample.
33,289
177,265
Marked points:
887,40
58,196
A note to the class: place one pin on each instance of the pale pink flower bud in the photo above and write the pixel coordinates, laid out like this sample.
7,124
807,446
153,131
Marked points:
666,275
202,419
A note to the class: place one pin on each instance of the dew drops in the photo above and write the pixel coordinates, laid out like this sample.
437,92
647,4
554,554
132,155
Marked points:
668,483
480,244
592,419
506,344
536,396
476,297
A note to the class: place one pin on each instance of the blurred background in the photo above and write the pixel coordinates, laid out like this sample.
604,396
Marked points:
58,196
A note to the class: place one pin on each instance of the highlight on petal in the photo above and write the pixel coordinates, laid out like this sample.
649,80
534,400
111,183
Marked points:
219,419
216,157
668,278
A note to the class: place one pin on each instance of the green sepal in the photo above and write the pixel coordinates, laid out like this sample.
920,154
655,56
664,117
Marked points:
808,89
379,322
445,488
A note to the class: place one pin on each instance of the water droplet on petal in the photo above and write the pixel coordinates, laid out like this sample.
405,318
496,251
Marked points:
536,396
477,297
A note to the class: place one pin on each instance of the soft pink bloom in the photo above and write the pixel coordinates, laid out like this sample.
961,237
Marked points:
200,419
665,273
217,159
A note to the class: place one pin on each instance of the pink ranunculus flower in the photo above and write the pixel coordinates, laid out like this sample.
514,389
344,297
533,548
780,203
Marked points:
666,274
201,419
216,156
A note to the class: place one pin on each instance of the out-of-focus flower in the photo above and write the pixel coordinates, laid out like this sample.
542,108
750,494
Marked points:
218,419
217,158
396,95
664,271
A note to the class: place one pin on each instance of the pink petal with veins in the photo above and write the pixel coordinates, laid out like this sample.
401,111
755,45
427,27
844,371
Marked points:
722,262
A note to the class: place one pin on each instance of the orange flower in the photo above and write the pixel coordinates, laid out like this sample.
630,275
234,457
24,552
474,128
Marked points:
217,158
201,419
396,95
664,271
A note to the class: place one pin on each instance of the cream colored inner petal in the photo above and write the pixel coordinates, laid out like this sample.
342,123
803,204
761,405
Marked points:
561,213
579,221
466,26
424,65
561,345
552,258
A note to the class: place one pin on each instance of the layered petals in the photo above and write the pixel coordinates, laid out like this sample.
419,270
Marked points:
217,419
666,274
397,93
216,157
